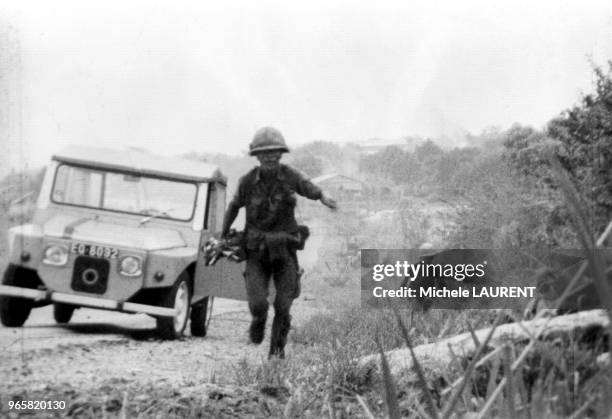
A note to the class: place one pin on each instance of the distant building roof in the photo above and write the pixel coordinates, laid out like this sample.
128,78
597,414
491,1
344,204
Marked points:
328,176
140,162
337,178
324,177
374,145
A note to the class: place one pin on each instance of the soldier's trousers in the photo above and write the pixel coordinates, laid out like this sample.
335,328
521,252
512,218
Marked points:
283,272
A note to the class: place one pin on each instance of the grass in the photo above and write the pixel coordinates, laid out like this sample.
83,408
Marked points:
321,378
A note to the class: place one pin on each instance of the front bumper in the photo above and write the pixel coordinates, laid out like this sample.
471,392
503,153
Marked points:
84,301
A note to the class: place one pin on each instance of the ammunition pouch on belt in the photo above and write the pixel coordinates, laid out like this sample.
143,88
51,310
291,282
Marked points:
257,240
303,233
277,246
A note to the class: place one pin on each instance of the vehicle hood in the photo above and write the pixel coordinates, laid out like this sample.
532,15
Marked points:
90,230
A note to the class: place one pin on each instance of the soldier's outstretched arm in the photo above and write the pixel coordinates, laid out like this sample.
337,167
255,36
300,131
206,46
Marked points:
328,201
309,190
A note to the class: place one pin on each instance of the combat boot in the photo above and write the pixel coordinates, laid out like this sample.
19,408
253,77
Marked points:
257,330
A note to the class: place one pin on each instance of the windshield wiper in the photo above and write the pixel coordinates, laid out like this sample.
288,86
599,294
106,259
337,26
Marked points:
157,214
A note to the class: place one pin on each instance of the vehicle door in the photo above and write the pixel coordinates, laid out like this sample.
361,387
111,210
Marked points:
225,278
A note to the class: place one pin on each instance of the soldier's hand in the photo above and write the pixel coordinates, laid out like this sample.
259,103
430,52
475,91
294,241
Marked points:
329,202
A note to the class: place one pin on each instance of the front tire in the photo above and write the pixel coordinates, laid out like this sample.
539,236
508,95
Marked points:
198,318
14,311
62,313
179,298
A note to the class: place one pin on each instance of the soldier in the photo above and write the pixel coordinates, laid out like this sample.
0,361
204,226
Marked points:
272,235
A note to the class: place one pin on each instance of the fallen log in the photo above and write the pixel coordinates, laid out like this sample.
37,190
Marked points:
439,354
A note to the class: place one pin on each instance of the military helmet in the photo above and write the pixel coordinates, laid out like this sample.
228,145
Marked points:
268,139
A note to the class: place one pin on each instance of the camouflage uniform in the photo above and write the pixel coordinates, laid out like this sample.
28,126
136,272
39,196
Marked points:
271,242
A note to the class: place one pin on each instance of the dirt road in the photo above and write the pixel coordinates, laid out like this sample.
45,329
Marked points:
98,344
110,353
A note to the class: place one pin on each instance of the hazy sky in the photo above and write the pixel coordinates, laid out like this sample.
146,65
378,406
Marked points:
175,77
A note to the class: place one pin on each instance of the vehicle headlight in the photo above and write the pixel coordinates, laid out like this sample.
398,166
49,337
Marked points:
130,266
55,255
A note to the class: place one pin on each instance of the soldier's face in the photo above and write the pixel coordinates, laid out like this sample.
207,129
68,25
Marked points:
269,160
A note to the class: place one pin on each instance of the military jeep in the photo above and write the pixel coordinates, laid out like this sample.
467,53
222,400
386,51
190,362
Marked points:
121,230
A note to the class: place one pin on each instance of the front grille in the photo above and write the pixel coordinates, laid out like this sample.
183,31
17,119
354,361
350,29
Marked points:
90,275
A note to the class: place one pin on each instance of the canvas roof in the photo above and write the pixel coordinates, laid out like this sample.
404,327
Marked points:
141,162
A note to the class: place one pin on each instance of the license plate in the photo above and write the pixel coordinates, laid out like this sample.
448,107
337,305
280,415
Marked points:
94,250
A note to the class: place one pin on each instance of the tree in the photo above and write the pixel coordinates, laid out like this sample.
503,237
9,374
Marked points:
585,133
428,151
308,163
454,168
391,163
528,151
316,158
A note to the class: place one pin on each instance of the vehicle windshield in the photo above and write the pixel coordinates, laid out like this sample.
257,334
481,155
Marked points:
134,194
